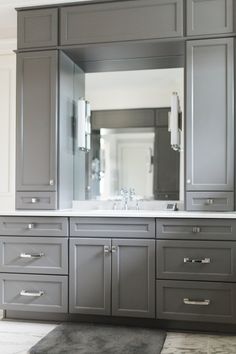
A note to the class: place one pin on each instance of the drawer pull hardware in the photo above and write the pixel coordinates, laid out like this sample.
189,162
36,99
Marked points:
196,302
30,226
51,182
107,249
114,249
210,201
31,293
31,256
34,200
202,261
196,229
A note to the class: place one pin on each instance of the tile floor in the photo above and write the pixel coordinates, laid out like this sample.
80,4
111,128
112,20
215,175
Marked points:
187,343
17,337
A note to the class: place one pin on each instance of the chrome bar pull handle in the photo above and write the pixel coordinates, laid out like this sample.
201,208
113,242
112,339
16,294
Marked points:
32,293
196,302
32,256
107,249
202,261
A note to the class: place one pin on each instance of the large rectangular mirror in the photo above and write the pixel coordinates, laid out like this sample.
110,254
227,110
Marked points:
130,141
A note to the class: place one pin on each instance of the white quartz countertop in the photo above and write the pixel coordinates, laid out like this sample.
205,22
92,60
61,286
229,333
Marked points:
121,213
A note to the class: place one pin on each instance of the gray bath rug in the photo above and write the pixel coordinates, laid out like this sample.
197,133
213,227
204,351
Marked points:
81,338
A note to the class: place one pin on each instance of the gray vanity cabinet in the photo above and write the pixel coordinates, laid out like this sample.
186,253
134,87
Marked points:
90,276
133,278
210,122
112,277
36,160
37,28
209,17
121,21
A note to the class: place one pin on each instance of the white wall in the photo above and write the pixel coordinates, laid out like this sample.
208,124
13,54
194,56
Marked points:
134,89
7,131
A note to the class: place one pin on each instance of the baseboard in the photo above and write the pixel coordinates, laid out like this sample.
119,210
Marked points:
186,326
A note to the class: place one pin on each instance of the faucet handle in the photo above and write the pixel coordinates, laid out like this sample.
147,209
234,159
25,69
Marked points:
132,193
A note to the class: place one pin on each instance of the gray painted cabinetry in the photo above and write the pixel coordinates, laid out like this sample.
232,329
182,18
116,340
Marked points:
196,270
37,28
33,269
210,125
206,17
36,160
113,275
121,21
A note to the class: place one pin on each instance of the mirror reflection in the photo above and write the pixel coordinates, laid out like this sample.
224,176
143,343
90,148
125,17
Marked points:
130,139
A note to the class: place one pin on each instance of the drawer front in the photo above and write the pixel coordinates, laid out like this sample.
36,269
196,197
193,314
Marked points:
33,226
34,255
37,28
210,201
196,301
209,17
44,293
196,229
129,20
36,200
198,260
112,227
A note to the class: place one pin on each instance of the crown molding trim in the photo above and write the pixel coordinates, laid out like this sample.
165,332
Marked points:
7,46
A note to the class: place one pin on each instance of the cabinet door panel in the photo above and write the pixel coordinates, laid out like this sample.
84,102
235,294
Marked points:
37,28
90,276
210,117
36,121
121,21
133,278
209,17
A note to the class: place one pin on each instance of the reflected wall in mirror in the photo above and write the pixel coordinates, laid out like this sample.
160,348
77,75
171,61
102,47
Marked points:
130,141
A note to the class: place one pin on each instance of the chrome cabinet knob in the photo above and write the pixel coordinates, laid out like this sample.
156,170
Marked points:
114,249
107,249
51,182
34,200
210,201
188,181
30,226
196,229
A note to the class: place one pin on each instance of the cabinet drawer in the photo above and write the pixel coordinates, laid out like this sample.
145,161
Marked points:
112,227
42,293
33,226
36,200
34,255
126,20
196,229
196,301
209,17
199,260
37,28
210,201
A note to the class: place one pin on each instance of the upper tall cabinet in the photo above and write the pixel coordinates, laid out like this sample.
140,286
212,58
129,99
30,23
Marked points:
210,125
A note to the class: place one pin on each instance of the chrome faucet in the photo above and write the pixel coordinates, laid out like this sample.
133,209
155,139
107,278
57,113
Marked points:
125,198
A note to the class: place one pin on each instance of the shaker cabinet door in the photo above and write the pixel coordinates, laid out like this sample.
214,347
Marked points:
36,160
210,115
209,17
133,278
90,276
